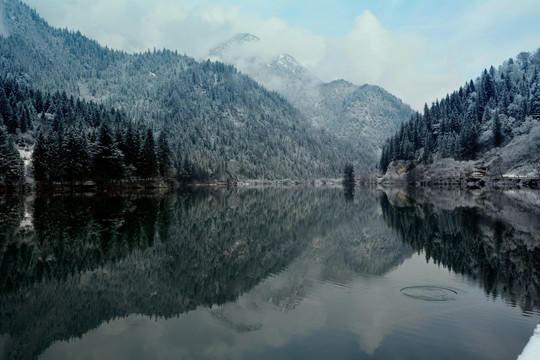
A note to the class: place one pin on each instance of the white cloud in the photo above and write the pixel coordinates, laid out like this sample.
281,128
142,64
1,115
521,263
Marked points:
369,53
415,66
3,28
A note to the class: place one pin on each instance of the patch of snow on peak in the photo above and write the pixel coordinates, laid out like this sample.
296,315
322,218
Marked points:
287,62
238,39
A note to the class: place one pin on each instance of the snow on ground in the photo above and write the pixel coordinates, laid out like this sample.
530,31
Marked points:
532,349
525,171
26,155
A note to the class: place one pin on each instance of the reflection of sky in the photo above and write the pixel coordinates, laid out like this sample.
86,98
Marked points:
297,314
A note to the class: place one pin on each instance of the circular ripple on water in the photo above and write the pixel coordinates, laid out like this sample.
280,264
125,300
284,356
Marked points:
430,293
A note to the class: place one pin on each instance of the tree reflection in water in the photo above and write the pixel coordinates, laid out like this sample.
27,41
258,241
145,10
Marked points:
69,264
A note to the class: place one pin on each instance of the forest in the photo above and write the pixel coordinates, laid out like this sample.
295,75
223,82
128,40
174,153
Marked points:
77,142
482,115
227,125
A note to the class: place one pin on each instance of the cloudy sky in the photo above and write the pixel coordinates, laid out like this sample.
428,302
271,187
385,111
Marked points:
417,50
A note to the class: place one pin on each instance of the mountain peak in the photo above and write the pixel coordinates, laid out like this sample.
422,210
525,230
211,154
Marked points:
238,39
285,62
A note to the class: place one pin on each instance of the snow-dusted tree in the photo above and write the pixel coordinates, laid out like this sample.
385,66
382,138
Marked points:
149,165
497,129
131,147
11,164
109,160
165,157
76,159
39,161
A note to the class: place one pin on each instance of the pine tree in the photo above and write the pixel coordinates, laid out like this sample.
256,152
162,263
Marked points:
497,130
149,166
348,175
165,157
76,159
39,161
11,164
131,148
109,160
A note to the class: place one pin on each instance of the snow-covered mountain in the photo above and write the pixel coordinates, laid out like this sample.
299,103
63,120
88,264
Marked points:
364,115
236,40
215,116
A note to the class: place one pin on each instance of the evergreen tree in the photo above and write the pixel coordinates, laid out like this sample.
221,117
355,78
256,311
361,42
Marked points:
109,160
348,175
469,142
165,157
131,148
76,159
11,164
39,160
187,171
497,130
55,155
149,165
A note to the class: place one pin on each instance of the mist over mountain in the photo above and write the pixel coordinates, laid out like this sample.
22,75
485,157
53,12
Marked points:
214,115
364,115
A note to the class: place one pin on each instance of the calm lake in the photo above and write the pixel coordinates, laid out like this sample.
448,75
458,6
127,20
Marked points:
271,273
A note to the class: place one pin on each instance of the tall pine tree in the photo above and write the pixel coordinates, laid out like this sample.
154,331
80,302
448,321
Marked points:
109,160
11,164
149,165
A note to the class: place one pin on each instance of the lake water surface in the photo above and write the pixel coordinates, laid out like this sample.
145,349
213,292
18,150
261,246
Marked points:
273,273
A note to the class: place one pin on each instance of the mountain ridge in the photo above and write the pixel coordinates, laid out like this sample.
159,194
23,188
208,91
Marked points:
218,117
337,112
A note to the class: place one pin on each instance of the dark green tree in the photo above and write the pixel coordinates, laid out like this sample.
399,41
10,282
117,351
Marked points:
497,130
131,148
109,160
11,164
348,175
165,157
149,165
39,161
76,159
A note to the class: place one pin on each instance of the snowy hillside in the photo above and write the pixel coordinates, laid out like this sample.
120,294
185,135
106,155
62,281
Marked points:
363,115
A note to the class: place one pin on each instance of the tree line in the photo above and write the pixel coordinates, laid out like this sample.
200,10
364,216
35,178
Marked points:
75,142
231,127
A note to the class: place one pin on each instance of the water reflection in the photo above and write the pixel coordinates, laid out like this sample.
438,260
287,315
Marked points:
494,240
237,271
92,259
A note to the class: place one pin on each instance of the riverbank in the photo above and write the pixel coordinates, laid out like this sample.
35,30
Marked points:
462,174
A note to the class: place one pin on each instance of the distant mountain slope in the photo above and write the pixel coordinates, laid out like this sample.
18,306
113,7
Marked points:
493,122
218,117
363,115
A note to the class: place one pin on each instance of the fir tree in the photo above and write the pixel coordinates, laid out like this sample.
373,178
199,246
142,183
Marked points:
131,148
11,164
39,160
76,157
348,175
149,165
109,160
497,130
164,157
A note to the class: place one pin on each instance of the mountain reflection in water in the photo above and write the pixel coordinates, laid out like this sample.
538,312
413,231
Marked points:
494,240
227,257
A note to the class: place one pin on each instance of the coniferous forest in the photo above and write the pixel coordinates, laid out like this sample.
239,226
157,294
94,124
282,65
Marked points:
487,113
220,124
81,141
89,114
